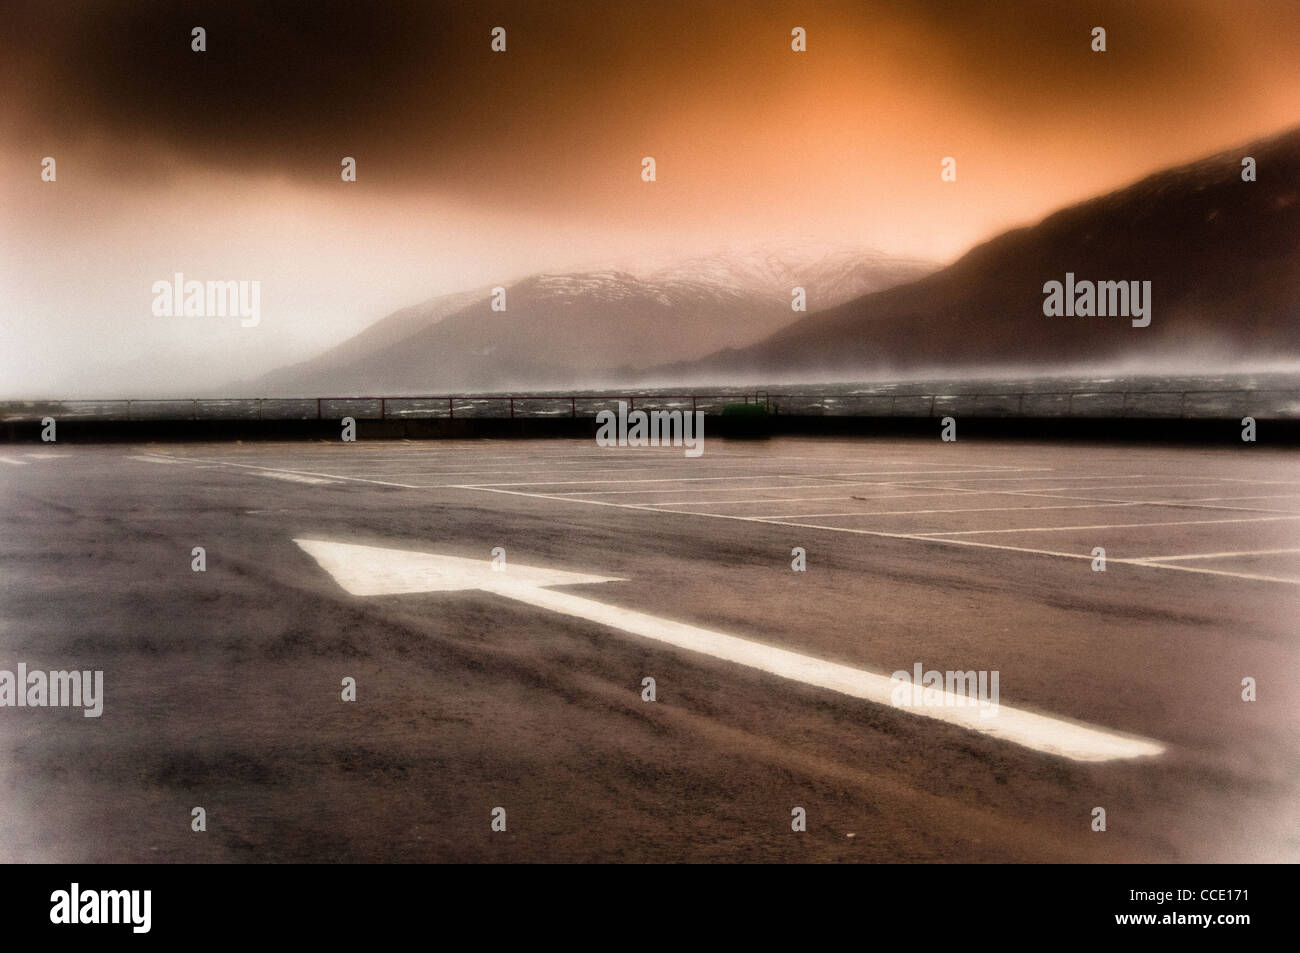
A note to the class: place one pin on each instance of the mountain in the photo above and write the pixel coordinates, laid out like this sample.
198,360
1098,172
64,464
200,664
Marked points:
1222,256
563,330
831,273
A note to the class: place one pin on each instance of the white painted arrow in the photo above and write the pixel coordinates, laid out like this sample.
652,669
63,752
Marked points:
376,571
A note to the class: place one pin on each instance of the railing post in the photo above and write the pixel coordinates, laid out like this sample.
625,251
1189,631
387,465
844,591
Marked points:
451,408
383,407
128,410
512,408
318,417
573,406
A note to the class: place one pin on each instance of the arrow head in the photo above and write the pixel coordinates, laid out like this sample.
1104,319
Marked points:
377,571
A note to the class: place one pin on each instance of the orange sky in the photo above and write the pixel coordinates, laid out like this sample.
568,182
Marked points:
477,167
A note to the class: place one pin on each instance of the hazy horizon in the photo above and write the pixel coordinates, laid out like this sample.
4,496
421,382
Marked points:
476,169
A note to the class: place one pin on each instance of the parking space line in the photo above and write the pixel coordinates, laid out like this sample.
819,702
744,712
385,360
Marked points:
1054,476
921,484
1051,490
942,540
968,509
1073,492
757,476
1195,503
1254,577
1249,552
296,477
788,499
1084,503
550,469
884,496
1062,529
335,476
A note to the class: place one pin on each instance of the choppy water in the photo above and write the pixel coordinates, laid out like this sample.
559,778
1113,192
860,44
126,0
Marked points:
1235,395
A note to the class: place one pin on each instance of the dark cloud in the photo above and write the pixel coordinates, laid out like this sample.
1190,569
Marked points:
474,167
289,87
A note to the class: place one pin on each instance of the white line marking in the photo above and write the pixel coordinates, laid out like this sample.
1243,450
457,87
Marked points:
372,570
333,476
967,509
298,478
533,467
787,499
1049,490
920,484
1249,552
1254,577
747,489
757,476
1062,529
839,529
1214,499
144,459
1054,476
1196,503
702,489
12,462
946,491
878,533
1260,482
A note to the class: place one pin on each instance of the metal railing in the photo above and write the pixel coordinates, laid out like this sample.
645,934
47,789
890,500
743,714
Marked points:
1220,402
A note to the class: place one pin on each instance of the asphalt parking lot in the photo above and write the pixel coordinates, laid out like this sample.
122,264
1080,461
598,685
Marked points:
523,689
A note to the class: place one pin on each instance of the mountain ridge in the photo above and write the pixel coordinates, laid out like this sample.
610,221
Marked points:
1223,255
559,329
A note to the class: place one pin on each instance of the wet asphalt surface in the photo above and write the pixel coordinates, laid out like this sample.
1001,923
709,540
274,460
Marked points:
222,688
